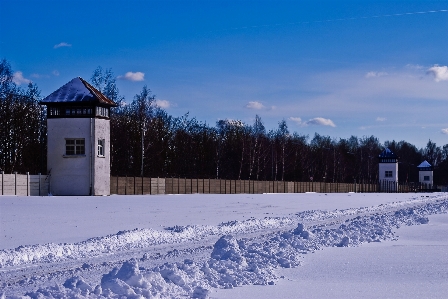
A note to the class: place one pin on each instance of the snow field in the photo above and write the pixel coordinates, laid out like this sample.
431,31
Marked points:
246,252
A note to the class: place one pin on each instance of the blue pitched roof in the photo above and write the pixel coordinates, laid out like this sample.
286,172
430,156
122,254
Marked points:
424,164
387,153
77,91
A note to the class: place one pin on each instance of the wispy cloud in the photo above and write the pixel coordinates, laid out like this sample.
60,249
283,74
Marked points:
55,73
297,120
440,73
19,79
254,105
164,104
318,121
131,76
414,66
380,119
61,45
38,76
445,131
375,74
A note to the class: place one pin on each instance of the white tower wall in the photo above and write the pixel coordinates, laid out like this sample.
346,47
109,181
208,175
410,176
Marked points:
87,174
101,165
383,167
70,174
427,173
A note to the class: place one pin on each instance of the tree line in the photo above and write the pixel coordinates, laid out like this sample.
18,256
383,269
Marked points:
147,141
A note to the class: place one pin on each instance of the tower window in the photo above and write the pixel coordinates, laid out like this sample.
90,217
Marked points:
101,111
101,147
388,174
75,146
426,178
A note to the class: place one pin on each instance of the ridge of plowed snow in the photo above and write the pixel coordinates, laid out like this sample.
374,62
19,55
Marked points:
235,262
142,238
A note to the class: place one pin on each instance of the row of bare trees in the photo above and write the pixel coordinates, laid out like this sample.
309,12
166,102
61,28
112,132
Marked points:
22,125
146,141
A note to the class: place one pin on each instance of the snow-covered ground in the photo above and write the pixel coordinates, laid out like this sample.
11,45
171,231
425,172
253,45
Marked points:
225,246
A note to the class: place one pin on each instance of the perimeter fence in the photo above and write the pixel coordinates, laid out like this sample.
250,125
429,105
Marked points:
39,185
24,184
143,185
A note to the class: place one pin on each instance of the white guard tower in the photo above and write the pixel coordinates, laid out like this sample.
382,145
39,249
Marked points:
425,174
78,146
388,170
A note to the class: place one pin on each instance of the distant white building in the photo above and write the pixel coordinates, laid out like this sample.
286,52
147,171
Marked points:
425,173
388,170
78,134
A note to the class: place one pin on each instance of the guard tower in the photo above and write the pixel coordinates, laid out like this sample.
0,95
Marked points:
78,134
425,174
388,170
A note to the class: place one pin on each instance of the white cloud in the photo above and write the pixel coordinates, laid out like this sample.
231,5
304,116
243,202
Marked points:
232,122
320,121
131,76
440,73
60,45
163,104
380,119
55,73
297,120
375,74
445,131
254,105
19,79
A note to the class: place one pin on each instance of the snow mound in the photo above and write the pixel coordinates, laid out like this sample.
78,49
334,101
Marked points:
227,248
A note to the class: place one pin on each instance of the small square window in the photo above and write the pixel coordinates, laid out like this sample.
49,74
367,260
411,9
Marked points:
74,146
388,174
426,178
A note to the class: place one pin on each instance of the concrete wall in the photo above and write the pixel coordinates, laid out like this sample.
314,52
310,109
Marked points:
422,174
101,164
23,184
78,174
383,167
70,175
386,182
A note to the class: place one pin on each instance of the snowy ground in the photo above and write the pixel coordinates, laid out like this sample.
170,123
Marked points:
225,246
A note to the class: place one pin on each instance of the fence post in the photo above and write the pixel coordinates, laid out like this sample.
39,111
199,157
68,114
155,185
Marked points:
225,186
3,182
15,183
27,184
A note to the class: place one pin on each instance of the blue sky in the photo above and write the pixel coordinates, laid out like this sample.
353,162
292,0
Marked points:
338,68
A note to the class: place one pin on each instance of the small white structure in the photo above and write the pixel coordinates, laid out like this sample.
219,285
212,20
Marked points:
425,174
388,170
78,139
